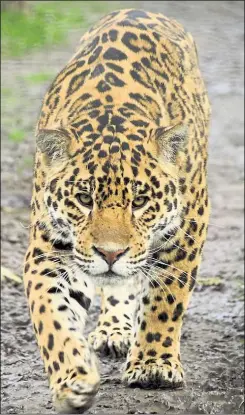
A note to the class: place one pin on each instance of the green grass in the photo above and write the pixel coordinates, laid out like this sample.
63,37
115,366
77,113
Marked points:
43,24
39,77
46,23
16,135
7,92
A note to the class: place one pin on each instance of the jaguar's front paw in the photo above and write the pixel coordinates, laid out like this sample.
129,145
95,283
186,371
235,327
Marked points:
154,373
75,393
113,343
75,382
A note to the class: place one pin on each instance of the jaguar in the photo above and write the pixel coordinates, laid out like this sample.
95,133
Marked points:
120,205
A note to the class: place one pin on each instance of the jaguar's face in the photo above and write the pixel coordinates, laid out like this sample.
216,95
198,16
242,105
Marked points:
112,206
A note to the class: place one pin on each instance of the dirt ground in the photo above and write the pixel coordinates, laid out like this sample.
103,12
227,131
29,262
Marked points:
212,341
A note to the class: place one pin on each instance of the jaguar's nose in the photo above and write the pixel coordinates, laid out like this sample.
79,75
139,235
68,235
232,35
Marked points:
110,256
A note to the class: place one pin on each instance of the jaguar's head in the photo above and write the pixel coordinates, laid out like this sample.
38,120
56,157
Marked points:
113,196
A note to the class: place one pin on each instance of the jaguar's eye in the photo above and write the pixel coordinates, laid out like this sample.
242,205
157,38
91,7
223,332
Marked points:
139,202
85,199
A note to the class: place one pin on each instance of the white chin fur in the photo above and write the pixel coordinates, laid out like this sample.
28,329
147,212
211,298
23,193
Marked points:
102,280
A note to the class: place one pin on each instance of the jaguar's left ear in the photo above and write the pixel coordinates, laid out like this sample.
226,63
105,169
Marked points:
171,140
53,144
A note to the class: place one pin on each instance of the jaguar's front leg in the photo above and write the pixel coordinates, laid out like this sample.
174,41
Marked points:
114,331
58,305
154,359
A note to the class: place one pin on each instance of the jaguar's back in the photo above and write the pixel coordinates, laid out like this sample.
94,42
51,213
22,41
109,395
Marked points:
134,57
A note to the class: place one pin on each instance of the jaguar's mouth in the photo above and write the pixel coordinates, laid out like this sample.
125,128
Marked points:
109,274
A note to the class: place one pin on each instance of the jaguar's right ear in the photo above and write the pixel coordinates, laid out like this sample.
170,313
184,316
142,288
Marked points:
53,144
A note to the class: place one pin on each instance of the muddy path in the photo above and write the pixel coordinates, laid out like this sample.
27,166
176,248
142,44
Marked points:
212,344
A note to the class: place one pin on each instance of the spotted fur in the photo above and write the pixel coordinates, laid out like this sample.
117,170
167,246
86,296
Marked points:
119,201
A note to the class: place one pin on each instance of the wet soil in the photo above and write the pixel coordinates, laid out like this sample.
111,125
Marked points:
212,341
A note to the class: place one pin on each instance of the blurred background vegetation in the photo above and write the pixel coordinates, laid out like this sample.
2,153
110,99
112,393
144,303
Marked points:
30,25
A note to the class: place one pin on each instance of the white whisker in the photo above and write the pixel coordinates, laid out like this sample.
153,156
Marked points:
157,279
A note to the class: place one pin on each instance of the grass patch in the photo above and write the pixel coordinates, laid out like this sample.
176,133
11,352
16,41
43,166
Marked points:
40,77
46,23
210,281
7,92
43,24
17,135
